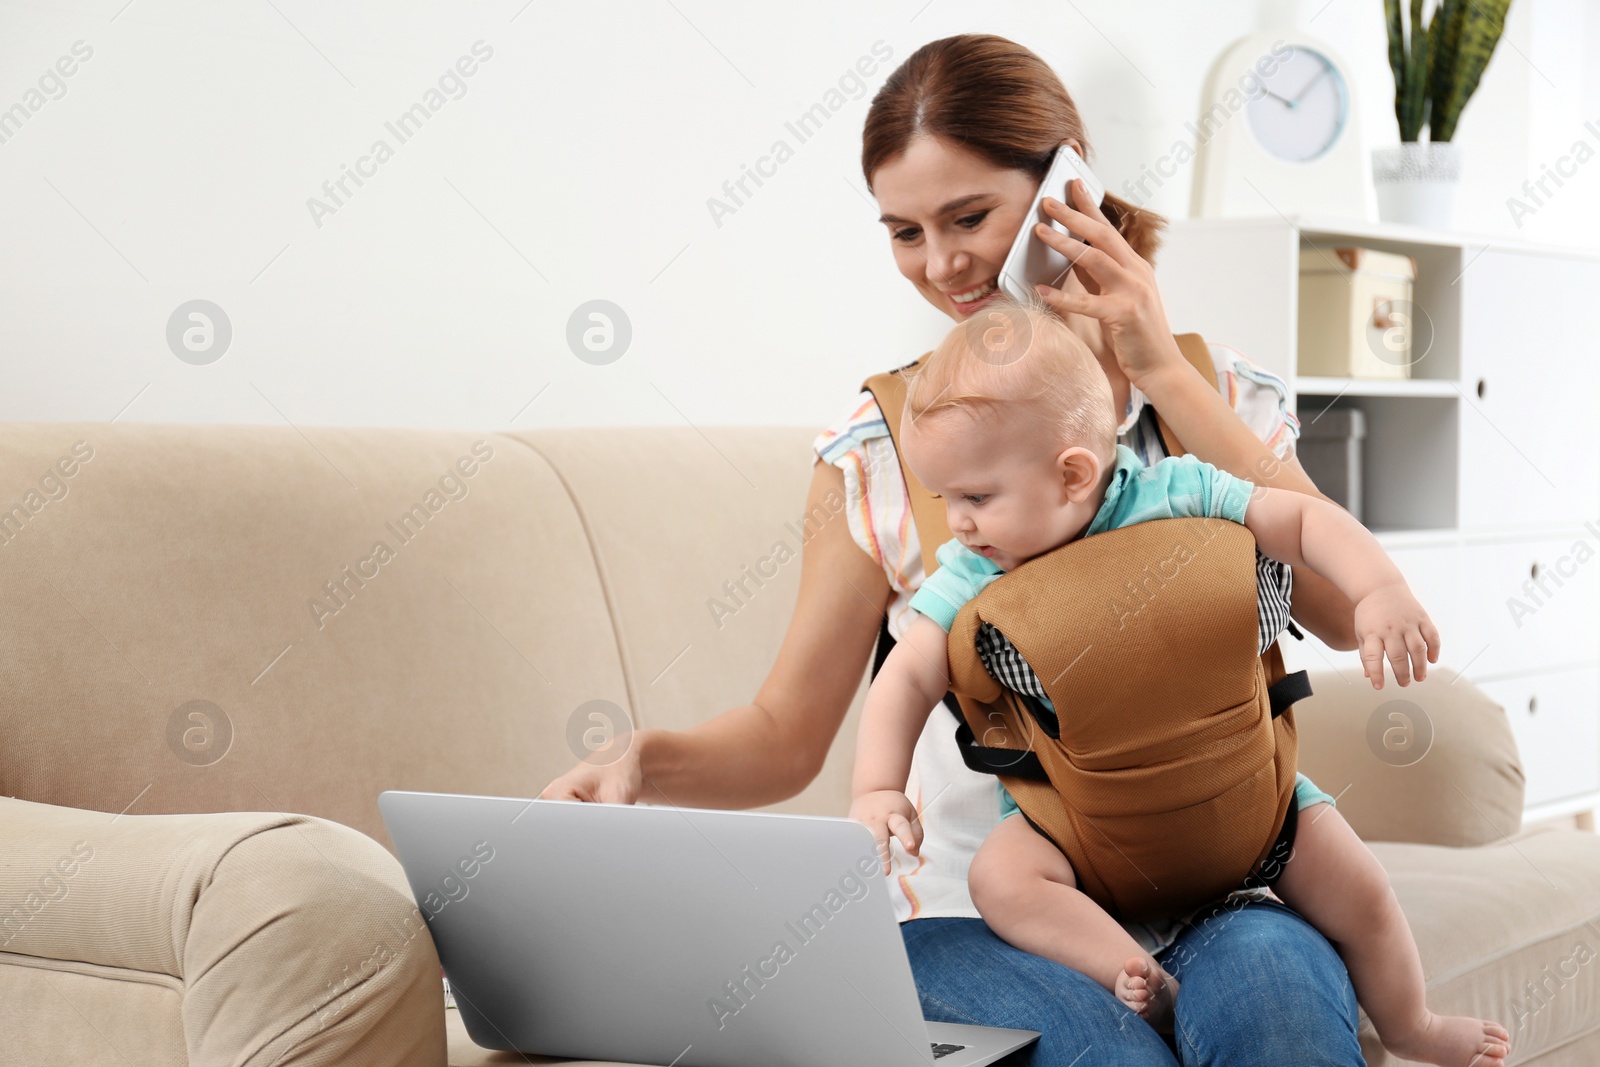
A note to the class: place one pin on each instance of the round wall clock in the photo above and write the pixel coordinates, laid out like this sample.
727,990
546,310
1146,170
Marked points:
1279,133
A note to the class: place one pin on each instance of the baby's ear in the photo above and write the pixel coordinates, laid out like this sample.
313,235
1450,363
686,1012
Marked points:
1079,468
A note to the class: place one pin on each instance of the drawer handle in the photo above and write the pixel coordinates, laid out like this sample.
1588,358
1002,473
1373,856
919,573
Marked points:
1533,705
1533,571
1482,388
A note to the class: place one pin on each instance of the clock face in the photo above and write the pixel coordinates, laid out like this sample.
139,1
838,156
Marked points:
1302,108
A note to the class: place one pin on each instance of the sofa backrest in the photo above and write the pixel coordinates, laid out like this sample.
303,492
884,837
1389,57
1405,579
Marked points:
207,618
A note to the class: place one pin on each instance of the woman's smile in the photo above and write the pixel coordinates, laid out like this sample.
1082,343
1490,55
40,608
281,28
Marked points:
969,300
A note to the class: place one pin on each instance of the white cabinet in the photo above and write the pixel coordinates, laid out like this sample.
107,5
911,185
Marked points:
1530,439
1481,473
1552,716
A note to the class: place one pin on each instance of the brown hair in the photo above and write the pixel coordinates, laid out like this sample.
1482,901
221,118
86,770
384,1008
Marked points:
1017,359
998,100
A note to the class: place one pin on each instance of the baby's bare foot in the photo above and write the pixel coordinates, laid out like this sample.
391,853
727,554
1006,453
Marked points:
1452,1041
1150,991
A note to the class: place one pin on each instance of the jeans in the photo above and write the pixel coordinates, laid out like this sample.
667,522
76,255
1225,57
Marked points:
1261,988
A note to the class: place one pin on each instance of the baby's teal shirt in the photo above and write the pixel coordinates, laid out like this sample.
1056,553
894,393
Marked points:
1178,487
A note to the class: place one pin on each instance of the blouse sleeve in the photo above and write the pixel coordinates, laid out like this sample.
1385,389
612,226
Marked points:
1260,397
877,506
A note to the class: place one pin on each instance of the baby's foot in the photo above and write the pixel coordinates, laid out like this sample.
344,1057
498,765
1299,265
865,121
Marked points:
1150,991
1452,1041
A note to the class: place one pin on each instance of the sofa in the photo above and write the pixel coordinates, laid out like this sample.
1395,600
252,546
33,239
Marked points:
222,642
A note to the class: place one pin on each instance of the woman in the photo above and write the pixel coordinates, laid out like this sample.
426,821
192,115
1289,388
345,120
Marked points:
955,145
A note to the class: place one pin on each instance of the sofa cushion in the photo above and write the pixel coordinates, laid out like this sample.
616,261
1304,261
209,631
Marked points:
199,621
1509,931
232,938
699,552
1433,763
67,1012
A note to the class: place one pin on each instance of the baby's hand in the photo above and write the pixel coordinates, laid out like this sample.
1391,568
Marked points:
885,812
1390,623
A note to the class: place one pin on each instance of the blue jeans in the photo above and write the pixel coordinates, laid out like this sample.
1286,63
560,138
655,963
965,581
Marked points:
1261,988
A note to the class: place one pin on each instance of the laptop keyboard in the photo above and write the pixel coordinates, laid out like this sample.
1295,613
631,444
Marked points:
940,1051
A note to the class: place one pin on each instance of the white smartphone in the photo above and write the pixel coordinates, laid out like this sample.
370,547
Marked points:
1031,261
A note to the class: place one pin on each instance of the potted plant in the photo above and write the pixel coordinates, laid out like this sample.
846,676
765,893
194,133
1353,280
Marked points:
1435,73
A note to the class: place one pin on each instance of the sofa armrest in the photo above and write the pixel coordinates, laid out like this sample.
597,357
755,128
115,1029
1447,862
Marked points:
1433,763
284,939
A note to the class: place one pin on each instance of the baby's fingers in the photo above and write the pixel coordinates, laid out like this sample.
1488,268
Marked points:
1431,633
1399,658
880,838
1417,643
901,827
1372,659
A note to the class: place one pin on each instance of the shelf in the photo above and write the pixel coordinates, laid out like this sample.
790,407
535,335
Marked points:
1434,387
1388,236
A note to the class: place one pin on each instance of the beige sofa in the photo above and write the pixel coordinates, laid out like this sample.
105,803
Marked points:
201,619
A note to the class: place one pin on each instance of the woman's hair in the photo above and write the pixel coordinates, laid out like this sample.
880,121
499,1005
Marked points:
998,100
1017,358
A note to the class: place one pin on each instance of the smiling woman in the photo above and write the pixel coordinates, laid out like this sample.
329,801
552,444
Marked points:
955,147
1009,146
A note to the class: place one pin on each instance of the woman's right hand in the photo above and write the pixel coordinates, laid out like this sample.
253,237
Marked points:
605,777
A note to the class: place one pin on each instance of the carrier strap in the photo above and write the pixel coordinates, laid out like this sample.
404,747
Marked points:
1011,762
1288,691
1198,355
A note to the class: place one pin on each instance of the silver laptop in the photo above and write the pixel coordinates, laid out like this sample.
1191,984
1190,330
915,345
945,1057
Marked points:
669,935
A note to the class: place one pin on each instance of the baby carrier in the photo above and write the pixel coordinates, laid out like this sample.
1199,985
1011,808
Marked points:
1168,778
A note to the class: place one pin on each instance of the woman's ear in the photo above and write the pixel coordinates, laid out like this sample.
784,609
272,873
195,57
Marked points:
1080,473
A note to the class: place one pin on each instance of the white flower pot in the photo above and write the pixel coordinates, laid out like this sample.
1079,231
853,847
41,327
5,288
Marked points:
1416,182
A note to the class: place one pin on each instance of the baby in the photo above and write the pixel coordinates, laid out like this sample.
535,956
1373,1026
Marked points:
1020,442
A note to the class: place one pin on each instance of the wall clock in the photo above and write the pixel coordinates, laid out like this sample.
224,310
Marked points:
1279,133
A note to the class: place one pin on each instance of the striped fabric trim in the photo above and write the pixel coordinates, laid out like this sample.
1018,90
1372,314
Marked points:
1006,665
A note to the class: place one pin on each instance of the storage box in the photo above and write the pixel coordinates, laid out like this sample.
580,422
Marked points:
1355,313
1330,452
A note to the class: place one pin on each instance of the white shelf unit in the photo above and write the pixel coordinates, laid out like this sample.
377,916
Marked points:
1481,473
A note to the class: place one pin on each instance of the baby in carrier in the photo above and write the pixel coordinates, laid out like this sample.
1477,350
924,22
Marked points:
1020,442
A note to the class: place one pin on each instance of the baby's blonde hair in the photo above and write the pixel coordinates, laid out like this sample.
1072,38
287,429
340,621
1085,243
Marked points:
1018,353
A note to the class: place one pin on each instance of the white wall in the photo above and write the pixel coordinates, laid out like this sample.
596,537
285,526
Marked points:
578,164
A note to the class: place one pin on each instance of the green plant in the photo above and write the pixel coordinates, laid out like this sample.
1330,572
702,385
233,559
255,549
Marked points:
1438,70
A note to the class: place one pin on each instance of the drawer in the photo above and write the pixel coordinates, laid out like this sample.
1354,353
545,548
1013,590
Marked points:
1556,720
1529,605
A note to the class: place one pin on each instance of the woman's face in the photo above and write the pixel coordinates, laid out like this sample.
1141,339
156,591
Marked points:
951,218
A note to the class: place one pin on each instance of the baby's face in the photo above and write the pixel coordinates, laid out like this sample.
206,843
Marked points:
1008,494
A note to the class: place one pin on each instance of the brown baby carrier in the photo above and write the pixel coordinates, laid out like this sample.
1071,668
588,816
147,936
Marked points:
1168,778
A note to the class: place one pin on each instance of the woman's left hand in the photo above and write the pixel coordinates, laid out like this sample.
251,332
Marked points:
1118,286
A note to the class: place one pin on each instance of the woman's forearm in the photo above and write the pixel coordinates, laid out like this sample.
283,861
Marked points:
740,759
770,749
1212,431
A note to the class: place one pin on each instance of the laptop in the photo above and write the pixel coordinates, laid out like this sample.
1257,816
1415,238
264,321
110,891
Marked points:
671,936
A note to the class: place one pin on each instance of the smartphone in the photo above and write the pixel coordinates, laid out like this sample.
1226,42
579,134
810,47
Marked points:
1031,261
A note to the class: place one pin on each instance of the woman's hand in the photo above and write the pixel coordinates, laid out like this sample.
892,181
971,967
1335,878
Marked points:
888,812
1118,286
606,777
